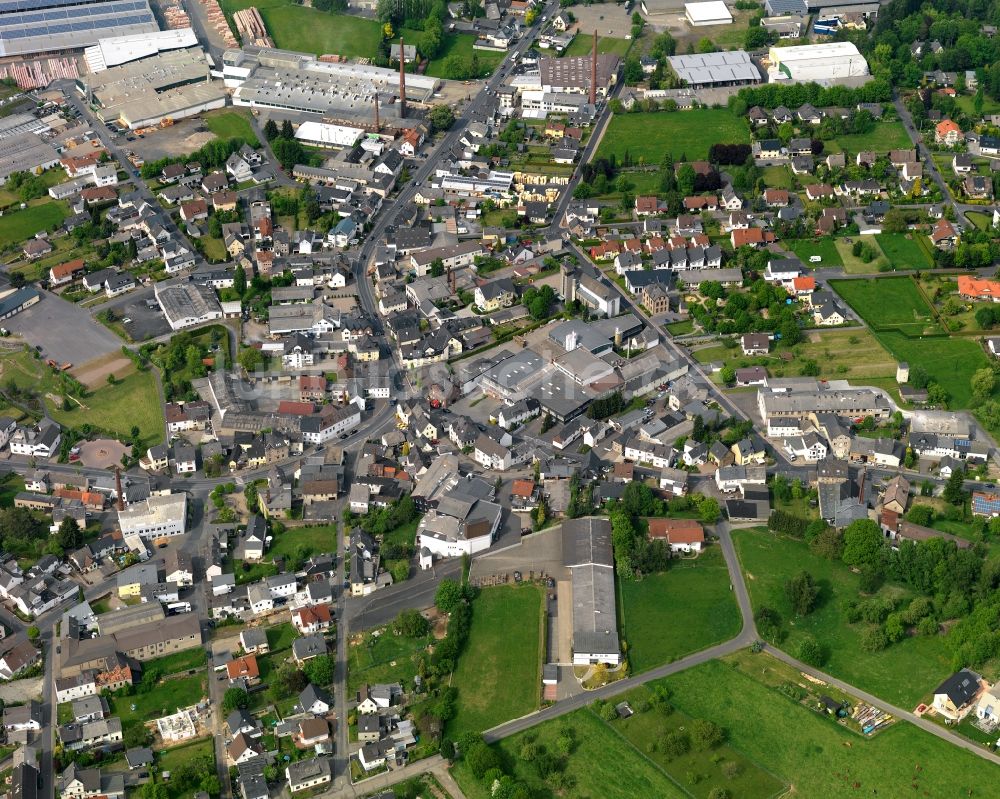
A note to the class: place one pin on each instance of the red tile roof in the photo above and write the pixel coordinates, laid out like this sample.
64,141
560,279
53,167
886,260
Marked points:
677,531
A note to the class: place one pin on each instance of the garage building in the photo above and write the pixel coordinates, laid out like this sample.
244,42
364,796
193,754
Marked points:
713,12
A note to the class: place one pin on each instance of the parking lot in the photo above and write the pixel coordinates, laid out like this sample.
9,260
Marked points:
144,322
65,332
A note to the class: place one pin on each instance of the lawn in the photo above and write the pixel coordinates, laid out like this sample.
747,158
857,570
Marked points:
648,136
777,177
888,302
681,328
583,45
602,763
814,754
840,354
498,675
712,767
280,636
383,656
20,225
883,137
295,27
905,251
164,699
12,485
214,249
825,247
318,539
170,759
177,662
135,391
979,219
686,608
459,44
769,561
853,265
231,125
950,362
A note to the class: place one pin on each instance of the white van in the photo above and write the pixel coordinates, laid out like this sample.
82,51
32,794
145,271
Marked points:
815,259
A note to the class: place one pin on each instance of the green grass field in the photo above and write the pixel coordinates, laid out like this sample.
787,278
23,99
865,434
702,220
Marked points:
214,249
824,247
682,134
722,767
907,310
178,661
681,328
135,390
777,177
949,361
684,609
459,44
905,251
164,699
884,137
20,225
231,124
583,45
981,220
769,561
322,538
853,265
385,657
815,755
102,408
307,30
499,674
602,764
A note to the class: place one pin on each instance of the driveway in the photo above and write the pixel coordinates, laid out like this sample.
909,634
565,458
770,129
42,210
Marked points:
65,332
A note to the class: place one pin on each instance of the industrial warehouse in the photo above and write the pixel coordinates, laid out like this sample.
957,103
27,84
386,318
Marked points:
830,61
702,70
170,85
264,77
39,26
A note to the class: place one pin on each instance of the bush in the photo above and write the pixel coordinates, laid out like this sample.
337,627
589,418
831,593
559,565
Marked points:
874,640
811,651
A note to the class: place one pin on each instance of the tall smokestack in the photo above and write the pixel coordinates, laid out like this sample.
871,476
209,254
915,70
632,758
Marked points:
402,80
593,71
378,125
118,489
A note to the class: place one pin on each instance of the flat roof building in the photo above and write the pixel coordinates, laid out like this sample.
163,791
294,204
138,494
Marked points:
187,304
572,73
733,68
713,12
41,26
586,552
115,50
170,85
829,61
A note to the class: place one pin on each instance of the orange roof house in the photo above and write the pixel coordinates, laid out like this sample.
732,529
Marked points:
245,667
972,288
683,535
947,131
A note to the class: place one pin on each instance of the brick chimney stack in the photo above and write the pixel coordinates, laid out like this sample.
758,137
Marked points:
593,71
402,80
118,489
378,125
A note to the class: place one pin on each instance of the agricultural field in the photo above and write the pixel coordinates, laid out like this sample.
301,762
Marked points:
825,247
499,674
20,225
907,311
230,124
905,250
684,609
648,136
769,560
601,764
883,137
